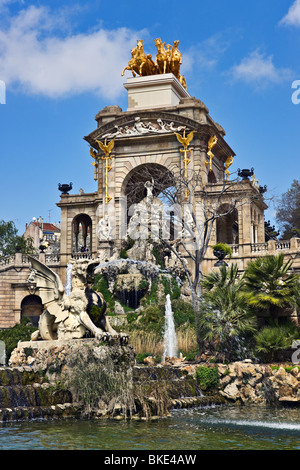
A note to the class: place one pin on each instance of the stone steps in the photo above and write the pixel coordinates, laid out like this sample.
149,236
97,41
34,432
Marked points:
26,395
27,413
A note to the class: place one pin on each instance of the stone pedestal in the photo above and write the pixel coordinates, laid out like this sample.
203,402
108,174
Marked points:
154,91
105,250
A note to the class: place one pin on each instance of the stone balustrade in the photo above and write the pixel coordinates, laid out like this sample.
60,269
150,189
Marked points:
22,260
270,247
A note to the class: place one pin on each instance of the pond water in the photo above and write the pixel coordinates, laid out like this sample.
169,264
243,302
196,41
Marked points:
210,428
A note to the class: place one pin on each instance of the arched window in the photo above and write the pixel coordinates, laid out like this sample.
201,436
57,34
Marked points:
82,234
211,178
227,225
32,308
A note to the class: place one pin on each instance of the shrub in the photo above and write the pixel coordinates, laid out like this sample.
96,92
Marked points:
207,377
223,247
101,285
104,385
19,332
270,340
183,312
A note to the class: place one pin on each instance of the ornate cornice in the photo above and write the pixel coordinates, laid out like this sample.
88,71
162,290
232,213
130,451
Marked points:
172,122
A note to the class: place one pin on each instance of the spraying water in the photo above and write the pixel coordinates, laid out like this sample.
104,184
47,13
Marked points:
170,339
68,286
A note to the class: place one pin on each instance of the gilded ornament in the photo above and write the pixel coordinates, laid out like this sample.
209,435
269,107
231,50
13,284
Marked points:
94,163
168,60
106,149
212,141
228,163
185,142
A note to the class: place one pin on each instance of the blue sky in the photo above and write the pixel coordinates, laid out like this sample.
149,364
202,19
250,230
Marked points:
61,63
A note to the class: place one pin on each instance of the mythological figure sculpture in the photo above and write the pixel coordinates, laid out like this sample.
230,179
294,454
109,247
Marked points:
168,60
68,316
104,228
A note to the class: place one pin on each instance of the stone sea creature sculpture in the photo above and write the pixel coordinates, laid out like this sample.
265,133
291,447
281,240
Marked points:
69,317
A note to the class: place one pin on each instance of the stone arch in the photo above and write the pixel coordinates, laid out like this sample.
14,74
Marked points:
32,308
82,233
133,186
135,190
123,170
227,225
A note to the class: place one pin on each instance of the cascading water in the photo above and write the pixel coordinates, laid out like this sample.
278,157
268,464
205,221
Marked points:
170,338
68,286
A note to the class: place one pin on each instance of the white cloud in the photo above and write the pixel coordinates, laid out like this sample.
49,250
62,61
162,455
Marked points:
206,54
293,15
258,69
35,58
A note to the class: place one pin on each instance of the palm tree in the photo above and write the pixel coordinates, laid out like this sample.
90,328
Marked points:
225,319
270,285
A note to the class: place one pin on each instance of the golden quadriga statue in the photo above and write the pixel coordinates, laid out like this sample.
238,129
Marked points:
168,60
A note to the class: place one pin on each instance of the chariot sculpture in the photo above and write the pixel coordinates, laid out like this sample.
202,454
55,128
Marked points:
168,60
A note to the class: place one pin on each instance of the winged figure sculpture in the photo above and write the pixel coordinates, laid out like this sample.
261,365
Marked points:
106,148
68,316
185,140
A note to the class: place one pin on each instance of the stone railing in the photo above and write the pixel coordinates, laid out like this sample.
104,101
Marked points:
235,249
82,255
276,245
7,260
19,259
271,246
258,247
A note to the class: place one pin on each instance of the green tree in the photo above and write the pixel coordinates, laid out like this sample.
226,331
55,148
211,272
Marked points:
270,285
225,319
10,241
288,211
272,339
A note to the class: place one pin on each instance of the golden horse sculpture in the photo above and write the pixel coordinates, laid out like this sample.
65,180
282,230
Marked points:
140,63
168,60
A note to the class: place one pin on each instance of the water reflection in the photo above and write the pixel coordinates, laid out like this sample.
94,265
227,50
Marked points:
216,428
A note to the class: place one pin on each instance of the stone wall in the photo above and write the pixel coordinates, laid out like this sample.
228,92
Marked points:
247,383
14,272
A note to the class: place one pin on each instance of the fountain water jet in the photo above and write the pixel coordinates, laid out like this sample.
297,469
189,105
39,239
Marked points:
170,338
68,286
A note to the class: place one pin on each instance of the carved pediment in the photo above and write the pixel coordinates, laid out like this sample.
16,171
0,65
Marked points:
140,124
